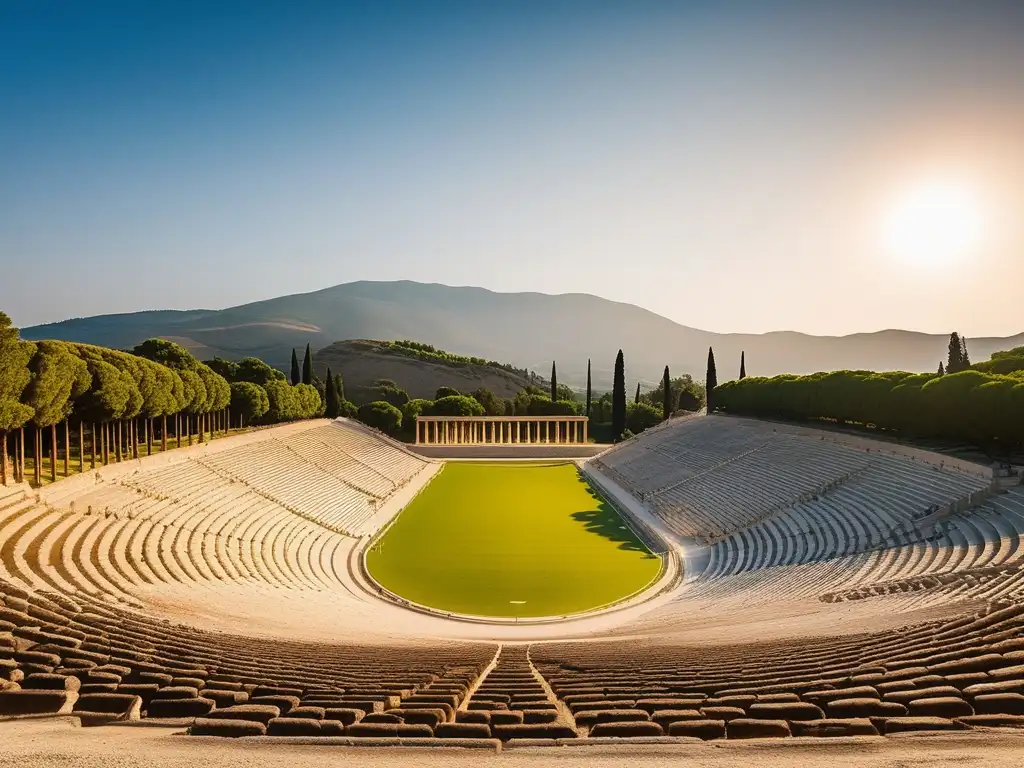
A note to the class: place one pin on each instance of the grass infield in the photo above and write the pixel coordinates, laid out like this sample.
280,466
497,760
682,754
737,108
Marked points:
511,540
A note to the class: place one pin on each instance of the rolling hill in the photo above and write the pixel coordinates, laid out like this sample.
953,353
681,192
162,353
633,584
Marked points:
363,363
528,330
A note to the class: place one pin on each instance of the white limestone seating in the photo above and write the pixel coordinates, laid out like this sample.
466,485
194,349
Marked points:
879,523
277,510
713,476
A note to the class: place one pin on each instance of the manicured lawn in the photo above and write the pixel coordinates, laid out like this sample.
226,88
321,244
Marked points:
511,540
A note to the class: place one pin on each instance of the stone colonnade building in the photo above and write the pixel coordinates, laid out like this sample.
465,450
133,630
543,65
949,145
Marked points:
500,430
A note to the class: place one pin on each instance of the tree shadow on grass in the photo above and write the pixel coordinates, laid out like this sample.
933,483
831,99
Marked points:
605,521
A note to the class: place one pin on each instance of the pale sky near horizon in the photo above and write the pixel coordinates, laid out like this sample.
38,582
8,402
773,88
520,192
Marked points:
823,167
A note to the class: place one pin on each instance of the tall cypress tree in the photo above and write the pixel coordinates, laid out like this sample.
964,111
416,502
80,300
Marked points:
588,388
636,398
711,380
619,398
965,359
666,385
339,389
307,367
296,378
331,405
554,383
743,365
954,361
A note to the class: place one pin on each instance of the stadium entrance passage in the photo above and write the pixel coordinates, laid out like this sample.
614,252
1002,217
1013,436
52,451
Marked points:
521,540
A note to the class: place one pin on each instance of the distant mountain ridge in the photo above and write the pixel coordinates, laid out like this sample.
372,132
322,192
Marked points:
528,330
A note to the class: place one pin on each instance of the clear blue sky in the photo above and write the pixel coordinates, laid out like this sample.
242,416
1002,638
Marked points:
730,165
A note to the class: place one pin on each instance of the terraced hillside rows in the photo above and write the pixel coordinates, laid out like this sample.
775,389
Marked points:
852,591
275,512
945,675
710,477
905,530
84,657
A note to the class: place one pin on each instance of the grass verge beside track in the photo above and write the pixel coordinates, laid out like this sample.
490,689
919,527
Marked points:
511,540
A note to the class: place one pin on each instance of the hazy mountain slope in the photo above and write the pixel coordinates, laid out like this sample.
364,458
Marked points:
525,329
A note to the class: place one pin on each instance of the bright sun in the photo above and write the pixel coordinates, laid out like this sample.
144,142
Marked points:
934,223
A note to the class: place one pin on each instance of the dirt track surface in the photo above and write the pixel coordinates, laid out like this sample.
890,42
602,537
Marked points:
38,743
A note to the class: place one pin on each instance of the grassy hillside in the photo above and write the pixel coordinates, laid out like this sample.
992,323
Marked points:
362,363
528,330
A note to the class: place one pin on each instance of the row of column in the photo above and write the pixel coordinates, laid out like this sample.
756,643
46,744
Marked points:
500,432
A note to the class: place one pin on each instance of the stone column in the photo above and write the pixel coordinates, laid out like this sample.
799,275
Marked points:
586,438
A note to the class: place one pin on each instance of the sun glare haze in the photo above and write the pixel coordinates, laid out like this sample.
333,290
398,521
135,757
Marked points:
935,223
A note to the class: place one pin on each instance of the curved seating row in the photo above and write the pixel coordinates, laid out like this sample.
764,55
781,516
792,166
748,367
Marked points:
942,675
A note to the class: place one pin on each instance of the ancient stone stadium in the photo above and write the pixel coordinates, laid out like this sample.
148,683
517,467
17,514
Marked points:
712,580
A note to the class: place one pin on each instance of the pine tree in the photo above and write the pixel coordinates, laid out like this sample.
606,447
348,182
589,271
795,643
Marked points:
554,383
295,369
636,399
307,367
942,371
711,380
331,406
954,363
588,388
619,398
666,385
965,359
743,365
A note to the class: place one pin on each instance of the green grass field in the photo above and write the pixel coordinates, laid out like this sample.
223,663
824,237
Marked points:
511,540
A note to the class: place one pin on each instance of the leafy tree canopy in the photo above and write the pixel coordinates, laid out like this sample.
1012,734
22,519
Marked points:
249,400
166,353
59,376
381,415
455,405
641,416
15,355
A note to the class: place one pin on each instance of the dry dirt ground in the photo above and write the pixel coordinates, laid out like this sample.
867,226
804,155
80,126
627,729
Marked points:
60,742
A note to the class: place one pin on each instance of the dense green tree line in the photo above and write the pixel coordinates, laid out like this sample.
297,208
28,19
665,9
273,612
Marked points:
645,409
56,394
983,405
